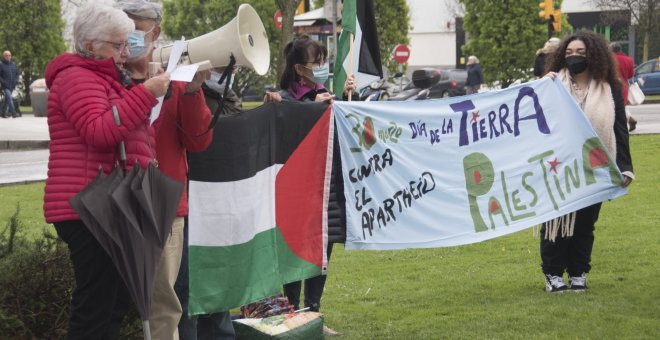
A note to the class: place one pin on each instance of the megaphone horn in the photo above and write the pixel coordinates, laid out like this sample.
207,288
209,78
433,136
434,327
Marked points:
244,37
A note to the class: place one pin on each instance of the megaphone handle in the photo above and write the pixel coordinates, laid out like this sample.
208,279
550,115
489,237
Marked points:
226,75
221,102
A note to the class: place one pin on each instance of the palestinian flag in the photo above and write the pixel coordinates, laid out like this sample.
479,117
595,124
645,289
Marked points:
358,18
258,201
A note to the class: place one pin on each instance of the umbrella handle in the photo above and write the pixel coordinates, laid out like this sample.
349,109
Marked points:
122,147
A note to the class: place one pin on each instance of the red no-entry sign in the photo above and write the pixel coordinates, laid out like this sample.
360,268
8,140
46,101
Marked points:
278,19
401,53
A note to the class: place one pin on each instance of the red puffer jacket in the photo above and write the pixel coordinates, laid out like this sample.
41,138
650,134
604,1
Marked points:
184,118
83,134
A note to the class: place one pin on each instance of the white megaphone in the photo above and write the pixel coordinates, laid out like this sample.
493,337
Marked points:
244,37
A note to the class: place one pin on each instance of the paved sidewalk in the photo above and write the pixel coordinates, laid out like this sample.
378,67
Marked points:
24,133
23,149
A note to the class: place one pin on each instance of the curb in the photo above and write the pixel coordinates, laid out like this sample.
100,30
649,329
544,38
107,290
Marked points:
23,145
25,182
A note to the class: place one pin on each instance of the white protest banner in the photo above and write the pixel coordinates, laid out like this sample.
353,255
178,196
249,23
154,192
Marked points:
440,173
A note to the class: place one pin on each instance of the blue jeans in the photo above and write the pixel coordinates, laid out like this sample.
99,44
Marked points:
9,103
198,327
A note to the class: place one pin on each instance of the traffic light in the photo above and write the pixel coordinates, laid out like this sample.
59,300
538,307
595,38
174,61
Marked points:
547,9
556,20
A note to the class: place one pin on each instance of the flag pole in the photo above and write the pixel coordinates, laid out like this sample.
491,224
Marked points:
350,63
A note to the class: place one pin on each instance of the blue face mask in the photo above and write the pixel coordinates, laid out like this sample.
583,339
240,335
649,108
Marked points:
320,73
137,45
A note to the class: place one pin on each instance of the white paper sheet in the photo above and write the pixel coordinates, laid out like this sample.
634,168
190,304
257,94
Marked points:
175,56
184,73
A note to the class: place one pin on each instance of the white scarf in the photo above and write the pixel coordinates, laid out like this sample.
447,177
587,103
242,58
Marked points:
598,107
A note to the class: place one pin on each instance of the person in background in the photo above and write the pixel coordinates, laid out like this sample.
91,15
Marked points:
305,73
302,80
542,54
84,88
475,76
218,325
626,68
8,82
184,124
587,70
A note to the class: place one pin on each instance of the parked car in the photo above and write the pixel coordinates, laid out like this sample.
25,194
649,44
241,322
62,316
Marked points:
451,84
647,75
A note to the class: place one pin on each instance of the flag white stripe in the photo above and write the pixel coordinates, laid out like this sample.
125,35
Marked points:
230,213
362,79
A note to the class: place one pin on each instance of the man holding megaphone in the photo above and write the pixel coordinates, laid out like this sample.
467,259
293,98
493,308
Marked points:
183,126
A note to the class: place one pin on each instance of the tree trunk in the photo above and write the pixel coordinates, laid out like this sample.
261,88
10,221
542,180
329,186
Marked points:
288,9
645,53
27,81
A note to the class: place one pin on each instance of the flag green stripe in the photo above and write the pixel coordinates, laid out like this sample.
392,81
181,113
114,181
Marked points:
348,25
228,277
349,16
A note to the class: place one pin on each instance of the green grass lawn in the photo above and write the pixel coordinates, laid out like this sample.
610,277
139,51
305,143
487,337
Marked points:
655,98
495,289
30,197
251,105
492,289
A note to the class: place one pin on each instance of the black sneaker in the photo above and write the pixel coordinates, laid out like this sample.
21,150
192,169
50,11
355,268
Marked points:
554,284
578,283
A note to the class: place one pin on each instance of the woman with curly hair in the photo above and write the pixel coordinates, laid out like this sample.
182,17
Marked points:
584,65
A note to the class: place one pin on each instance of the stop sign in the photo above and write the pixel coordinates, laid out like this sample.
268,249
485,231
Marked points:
401,53
278,19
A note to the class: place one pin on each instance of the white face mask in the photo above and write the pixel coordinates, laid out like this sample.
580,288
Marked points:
213,82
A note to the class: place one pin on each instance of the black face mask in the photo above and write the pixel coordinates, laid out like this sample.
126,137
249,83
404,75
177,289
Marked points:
576,64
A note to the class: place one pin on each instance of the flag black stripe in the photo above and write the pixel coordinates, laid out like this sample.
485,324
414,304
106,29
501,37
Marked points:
369,51
244,144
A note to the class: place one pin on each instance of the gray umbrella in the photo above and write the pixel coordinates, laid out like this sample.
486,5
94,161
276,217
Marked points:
130,215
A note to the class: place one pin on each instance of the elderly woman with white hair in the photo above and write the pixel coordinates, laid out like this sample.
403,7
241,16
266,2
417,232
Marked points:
475,76
85,86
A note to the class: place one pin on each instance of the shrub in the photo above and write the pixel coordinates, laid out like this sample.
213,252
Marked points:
36,282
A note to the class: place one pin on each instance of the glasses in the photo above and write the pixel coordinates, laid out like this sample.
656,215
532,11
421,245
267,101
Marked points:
316,62
119,46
